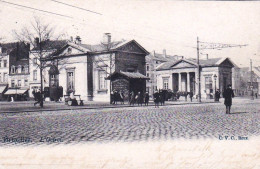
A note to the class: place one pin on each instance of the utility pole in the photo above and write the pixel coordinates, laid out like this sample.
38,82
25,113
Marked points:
251,79
198,71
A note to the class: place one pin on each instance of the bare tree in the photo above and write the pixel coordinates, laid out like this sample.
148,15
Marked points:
42,38
106,64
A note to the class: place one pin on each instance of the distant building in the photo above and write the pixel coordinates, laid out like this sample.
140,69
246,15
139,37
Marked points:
15,63
246,80
5,50
152,61
181,75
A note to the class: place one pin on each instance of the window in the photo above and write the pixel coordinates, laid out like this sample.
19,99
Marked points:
54,80
70,80
26,82
147,67
26,70
13,69
19,83
69,50
165,83
34,61
102,80
34,75
0,77
5,63
19,69
5,77
208,82
12,83
147,74
22,69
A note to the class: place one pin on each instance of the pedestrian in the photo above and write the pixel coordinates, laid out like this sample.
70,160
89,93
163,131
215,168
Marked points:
191,96
139,99
132,98
112,97
217,95
156,97
228,95
38,97
122,97
146,98
256,95
116,97
33,93
73,99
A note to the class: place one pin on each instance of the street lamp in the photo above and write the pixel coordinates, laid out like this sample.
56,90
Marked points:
215,79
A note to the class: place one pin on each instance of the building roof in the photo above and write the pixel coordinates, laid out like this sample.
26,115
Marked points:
51,45
98,48
130,75
112,46
163,58
203,63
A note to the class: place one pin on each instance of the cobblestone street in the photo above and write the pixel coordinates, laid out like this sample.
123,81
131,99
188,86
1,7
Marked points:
131,124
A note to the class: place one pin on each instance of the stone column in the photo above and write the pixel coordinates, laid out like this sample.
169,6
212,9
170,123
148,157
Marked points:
188,81
179,88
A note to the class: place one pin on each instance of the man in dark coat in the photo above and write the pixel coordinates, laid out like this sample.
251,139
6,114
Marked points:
132,98
156,97
191,96
228,95
146,98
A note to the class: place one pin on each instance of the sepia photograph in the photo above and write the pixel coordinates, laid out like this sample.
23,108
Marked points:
129,84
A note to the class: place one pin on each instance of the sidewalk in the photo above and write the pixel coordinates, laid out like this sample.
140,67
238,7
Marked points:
28,106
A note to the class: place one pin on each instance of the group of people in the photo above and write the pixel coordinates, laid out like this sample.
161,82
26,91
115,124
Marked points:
37,94
139,98
117,97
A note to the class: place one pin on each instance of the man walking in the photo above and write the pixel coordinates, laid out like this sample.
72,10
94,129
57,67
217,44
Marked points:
228,95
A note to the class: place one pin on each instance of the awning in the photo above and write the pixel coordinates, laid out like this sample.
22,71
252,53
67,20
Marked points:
130,75
2,88
15,91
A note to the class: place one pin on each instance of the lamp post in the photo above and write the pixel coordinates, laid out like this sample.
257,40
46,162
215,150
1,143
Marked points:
215,79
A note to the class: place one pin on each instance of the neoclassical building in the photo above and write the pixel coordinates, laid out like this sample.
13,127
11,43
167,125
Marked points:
88,69
182,75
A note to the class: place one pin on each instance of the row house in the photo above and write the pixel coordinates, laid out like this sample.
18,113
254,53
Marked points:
14,69
182,75
153,60
92,71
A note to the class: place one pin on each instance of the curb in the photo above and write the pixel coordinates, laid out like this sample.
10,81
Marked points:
105,107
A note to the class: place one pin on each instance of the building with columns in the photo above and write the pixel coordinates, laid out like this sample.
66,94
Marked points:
182,75
153,60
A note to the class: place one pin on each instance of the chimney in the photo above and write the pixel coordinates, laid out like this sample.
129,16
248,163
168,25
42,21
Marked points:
207,56
71,39
107,38
36,42
78,40
154,53
164,53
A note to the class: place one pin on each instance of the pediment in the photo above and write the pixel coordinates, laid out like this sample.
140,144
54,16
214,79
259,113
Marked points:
69,50
227,63
132,47
183,64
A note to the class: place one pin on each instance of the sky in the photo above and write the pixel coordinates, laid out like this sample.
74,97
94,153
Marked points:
156,25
